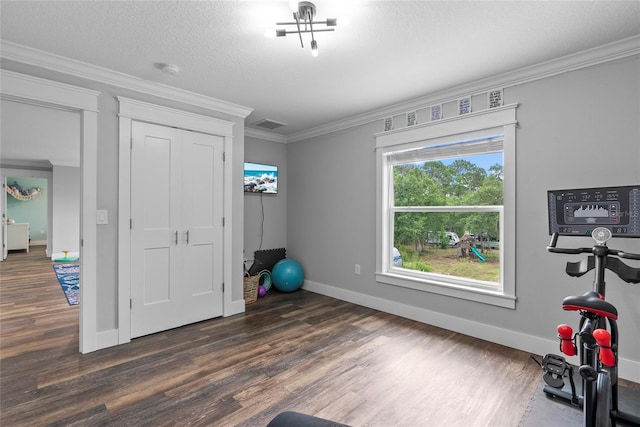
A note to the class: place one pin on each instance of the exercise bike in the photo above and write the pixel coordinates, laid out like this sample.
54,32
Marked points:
595,341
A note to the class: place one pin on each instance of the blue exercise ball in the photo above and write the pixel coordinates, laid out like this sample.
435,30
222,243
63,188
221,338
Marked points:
287,275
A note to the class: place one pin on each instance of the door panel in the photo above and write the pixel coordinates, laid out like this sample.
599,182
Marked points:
157,171
202,285
176,247
202,203
155,177
156,288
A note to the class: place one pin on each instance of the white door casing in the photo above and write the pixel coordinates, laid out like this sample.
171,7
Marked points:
3,200
131,110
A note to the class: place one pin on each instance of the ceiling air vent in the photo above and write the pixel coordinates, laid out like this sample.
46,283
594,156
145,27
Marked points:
269,124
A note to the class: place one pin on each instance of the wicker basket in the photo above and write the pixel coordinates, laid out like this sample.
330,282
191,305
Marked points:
251,289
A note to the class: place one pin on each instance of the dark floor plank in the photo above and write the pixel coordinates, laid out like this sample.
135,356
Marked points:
290,351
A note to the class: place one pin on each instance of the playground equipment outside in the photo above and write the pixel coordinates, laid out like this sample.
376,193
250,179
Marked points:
447,261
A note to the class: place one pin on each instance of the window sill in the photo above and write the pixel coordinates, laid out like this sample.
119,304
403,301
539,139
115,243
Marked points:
460,291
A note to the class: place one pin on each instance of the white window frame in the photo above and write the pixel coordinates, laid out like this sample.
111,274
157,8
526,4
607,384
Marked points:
500,120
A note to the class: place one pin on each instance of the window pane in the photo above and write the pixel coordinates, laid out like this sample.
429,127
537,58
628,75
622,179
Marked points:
449,177
463,244
457,181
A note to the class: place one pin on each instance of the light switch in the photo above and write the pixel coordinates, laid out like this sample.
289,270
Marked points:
102,217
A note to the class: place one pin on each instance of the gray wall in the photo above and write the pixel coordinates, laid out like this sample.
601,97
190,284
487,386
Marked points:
36,133
65,228
107,184
273,232
577,129
565,122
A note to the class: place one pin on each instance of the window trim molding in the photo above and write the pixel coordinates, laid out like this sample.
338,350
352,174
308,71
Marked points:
426,134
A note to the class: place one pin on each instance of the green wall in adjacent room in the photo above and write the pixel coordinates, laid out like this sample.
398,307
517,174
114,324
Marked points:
32,211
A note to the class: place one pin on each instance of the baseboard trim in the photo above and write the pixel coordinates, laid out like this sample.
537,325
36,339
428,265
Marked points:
629,369
111,337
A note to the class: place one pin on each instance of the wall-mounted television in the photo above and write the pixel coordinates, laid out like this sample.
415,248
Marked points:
260,178
576,212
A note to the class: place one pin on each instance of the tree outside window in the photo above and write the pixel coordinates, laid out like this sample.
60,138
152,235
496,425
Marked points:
446,215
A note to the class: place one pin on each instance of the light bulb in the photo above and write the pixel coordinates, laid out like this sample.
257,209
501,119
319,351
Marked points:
314,48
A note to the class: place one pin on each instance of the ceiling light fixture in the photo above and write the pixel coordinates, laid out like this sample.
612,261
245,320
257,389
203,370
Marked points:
304,24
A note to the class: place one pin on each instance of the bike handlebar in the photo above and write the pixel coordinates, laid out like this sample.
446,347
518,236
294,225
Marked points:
601,250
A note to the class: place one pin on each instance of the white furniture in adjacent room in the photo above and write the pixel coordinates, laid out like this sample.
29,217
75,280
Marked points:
18,236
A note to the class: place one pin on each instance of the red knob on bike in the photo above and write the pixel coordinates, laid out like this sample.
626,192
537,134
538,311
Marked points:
603,338
565,333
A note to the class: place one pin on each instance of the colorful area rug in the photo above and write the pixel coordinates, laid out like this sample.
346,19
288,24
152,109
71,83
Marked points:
69,278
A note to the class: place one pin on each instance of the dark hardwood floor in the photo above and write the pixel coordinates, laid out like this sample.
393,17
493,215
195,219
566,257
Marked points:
299,351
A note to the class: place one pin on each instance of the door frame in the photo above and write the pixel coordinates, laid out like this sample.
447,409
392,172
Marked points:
5,217
50,94
130,110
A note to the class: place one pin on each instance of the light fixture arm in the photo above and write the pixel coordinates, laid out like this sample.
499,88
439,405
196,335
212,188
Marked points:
329,22
304,23
311,27
295,15
315,30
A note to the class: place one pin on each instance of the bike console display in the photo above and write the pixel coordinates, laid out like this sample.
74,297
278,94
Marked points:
577,212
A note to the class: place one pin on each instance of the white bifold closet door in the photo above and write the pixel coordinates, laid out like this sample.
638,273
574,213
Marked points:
176,227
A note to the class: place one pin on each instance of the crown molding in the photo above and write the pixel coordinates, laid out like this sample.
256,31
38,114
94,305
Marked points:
610,52
267,136
39,165
65,163
26,55
34,90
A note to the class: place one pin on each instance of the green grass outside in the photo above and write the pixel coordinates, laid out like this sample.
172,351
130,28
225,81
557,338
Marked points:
445,261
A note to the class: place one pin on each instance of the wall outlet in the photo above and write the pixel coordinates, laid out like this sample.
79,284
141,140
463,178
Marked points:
357,269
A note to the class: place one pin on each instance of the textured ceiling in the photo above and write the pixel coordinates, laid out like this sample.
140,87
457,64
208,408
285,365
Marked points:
382,52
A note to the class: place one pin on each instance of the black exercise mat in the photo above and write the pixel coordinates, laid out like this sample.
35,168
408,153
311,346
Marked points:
266,259
543,411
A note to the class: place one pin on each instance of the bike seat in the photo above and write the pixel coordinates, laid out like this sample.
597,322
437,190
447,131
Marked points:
590,302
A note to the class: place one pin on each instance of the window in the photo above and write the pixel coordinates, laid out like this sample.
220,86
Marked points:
446,202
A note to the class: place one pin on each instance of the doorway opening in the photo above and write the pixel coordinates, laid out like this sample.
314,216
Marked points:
29,90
